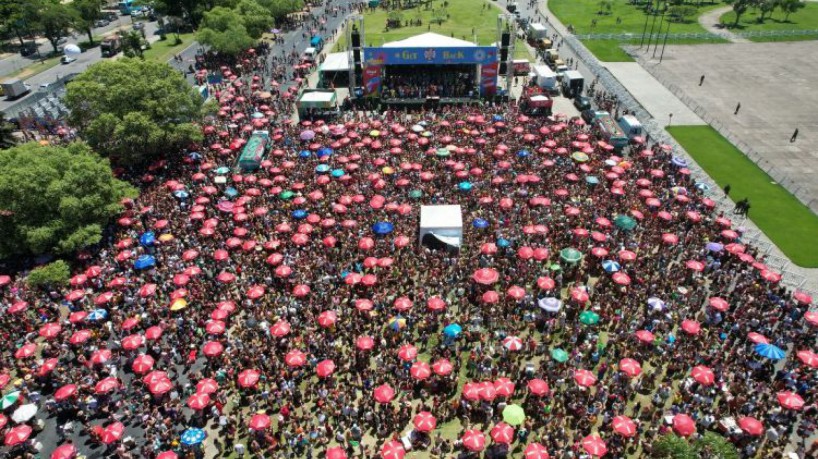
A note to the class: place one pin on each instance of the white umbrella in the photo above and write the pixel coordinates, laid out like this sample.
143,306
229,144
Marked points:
71,49
550,304
656,304
24,413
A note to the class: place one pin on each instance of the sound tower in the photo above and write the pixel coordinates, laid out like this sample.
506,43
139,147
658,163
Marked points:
505,39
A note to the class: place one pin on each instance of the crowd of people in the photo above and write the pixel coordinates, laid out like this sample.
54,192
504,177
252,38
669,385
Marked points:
420,83
597,303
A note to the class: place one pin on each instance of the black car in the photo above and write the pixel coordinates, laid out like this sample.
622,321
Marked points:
582,103
588,116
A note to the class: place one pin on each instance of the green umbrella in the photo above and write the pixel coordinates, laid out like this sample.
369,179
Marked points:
9,399
286,195
443,152
555,267
589,318
579,157
571,255
559,355
513,415
415,194
624,222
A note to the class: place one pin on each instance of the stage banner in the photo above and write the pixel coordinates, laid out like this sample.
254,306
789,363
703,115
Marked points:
432,56
372,77
488,79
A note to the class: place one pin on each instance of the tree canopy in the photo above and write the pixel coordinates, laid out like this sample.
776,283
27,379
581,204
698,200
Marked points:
223,29
132,110
52,18
86,13
55,199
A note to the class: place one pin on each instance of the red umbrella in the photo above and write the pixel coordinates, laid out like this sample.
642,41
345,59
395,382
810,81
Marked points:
627,255
226,277
365,343
260,422
691,327
362,304
424,422
490,297
580,295
215,327
25,351
198,401
621,278
790,400
167,455
295,358
546,283
624,426
536,451
471,391
207,386
474,440
802,298
255,292
17,307
435,303
442,367
384,393
336,453
301,290
502,433
142,364
75,295
113,432
17,435
420,370
249,378
213,348
718,304
751,426
504,387
538,387
594,445
402,304
50,330
147,290
407,352
809,358
584,378
104,298
106,385
327,319
283,271
703,375
489,248
280,329
129,323
190,255
486,276
516,292
757,338
695,265
66,451
132,342
366,243
630,367
160,386
65,392
812,318
101,356
684,425
393,450
325,368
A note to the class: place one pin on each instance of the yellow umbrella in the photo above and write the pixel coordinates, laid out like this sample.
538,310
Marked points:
178,304
44,143
166,237
388,170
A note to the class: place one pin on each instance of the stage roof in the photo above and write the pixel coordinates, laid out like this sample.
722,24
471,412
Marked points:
430,40
336,62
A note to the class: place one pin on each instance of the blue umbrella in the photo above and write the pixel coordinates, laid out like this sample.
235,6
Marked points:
324,151
222,170
194,155
231,192
147,239
453,330
337,173
97,314
322,168
656,303
679,161
550,304
258,115
382,228
769,351
503,243
479,223
523,154
714,247
611,266
181,194
703,187
498,118
464,186
193,436
299,214
591,180
304,154
144,262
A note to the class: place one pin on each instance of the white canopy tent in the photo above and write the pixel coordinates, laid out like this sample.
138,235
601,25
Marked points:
429,40
336,62
443,222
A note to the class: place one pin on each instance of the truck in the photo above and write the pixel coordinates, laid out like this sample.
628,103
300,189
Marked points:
572,83
544,77
631,126
521,66
550,56
537,31
254,151
317,42
609,131
309,55
15,88
111,45
535,101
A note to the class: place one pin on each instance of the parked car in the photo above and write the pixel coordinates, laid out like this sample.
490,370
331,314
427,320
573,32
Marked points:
582,103
67,59
588,116
102,23
138,25
28,48
62,40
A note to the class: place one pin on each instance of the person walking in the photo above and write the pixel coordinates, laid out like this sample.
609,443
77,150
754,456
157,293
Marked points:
794,135
727,190
701,80
738,107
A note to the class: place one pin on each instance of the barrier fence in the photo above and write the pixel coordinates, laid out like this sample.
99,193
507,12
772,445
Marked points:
704,36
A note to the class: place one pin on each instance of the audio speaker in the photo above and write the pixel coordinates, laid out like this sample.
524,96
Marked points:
505,39
503,68
503,54
356,56
356,39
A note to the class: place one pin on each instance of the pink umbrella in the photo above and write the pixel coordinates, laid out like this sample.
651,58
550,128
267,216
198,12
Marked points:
420,370
435,303
703,375
65,392
630,367
504,387
249,378
260,422
790,400
474,440
198,401
142,364
407,352
402,304
584,378
327,319
207,386
365,343
213,348
594,445
295,358
486,276
502,433
384,393
325,368
425,422
645,336
684,425
393,450
536,451
442,367
624,426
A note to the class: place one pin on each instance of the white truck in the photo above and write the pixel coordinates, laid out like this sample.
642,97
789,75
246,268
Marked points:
572,83
631,126
537,31
544,77
15,88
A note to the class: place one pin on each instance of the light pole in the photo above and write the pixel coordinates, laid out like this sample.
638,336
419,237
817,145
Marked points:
669,118
667,32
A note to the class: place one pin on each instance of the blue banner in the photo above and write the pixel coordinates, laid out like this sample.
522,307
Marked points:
432,56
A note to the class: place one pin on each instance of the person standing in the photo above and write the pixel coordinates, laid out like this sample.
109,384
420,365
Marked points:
738,107
701,80
727,190
794,135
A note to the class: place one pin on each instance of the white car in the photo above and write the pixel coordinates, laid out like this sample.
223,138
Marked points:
67,59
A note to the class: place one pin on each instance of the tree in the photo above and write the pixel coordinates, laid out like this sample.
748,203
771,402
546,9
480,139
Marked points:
671,446
681,13
223,30
714,446
52,18
132,110
766,7
55,274
14,19
708,446
790,6
739,7
55,199
132,44
7,138
86,14
255,17
280,8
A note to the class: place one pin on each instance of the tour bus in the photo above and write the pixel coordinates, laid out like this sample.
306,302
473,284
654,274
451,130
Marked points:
254,151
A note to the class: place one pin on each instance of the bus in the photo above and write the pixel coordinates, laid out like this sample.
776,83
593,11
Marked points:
127,7
254,151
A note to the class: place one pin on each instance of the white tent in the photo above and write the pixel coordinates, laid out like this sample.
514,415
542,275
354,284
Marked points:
335,62
429,40
443,222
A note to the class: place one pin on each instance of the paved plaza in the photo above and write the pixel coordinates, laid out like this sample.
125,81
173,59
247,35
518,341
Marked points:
776,87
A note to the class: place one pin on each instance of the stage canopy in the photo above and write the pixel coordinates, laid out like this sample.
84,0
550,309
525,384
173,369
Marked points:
430,40
443,222
335,62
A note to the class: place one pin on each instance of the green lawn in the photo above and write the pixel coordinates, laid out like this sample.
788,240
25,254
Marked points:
608,50
34,68
163,51
803,19
787,222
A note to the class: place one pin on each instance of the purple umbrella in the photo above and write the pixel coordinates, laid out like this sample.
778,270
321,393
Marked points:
307,135
714,247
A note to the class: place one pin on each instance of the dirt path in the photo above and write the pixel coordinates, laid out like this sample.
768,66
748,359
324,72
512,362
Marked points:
710,21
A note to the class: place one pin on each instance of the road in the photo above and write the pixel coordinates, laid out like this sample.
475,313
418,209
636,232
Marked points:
83,60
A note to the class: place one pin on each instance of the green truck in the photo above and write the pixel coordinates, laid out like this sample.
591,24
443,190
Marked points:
254,151
609,130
